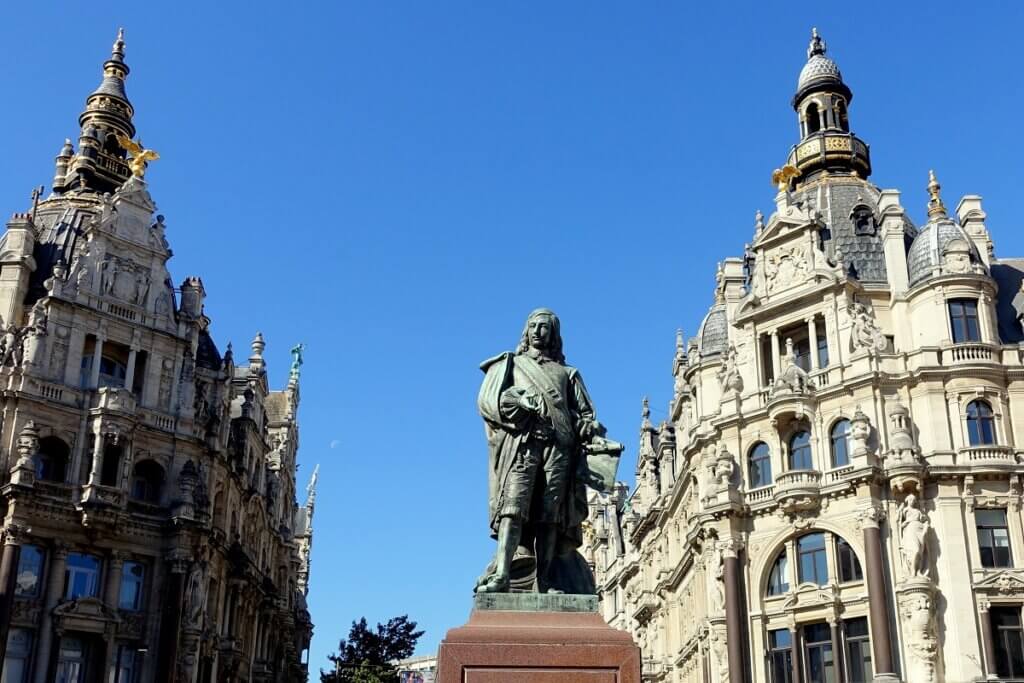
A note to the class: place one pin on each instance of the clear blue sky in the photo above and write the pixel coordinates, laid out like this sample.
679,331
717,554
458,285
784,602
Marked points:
398,183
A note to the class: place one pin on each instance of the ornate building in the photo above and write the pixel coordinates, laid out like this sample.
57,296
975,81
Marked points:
151,530
836,495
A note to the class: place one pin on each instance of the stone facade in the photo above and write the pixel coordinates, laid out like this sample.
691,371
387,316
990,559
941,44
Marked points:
836,495
151,530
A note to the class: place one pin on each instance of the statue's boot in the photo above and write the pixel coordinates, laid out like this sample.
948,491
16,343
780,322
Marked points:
496,584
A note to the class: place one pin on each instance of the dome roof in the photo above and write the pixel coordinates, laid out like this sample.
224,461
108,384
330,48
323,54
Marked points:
714,332
928,248
820,72
818,68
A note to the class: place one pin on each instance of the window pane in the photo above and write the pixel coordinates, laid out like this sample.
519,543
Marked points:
132,575
780,638
778,580
30,570
990,517
81,576
16,661
849,566
840,444
822,349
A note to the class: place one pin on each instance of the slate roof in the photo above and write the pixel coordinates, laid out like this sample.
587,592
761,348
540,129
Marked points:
926,251
714,332
207,355
863,252
1009,274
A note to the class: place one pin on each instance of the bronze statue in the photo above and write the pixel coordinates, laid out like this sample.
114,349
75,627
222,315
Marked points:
546,447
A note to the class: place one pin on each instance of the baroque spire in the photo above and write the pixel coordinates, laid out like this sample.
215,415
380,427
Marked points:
100,165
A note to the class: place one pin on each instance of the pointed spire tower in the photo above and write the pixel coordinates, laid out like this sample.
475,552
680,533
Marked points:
99,164
822,104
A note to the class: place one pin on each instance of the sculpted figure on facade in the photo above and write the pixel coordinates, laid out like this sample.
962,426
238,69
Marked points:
918,609
865,333
860,433
793,378
902,444
729,377
541,428
725,467
195,595
914,526
10,347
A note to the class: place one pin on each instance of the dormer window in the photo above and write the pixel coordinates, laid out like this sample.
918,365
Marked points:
863,220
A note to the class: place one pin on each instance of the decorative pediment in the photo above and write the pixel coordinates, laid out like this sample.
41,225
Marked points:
85,614
1005,582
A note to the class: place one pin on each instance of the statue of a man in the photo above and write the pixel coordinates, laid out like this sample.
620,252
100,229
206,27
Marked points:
540,426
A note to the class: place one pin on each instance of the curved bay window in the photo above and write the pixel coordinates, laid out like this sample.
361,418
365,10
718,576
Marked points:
759,465
800,451
840,440
52,460
981,430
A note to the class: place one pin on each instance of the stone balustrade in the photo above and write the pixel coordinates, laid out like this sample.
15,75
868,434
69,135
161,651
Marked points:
986,454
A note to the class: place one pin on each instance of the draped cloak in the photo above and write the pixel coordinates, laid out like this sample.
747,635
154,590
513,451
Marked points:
566,405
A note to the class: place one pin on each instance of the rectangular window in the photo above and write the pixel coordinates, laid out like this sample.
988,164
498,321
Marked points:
780,643
802,353
81,577
30,571
822,345
1009,641
993,538
963,320
17,660
819,658
849,566
767,361
127,664
858,651
813,563
133,575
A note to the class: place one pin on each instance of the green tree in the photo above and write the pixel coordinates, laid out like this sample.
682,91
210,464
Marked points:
369,655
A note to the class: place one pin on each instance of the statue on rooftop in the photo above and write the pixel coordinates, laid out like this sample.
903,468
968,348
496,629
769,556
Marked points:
546,446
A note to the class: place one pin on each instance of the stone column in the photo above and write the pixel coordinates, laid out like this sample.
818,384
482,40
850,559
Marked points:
736,647
986,637
97,355
837,647
776,357
798,672
97,459
8,577
812,335
878,603
129,373
984,319
170,623
112,589
51,597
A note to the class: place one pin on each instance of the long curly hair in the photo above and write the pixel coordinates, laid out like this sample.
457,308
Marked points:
555,350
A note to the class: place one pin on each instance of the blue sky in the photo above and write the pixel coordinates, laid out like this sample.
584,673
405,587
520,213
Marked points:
397,184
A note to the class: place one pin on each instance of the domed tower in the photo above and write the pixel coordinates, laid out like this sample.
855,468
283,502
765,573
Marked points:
822,104
100,165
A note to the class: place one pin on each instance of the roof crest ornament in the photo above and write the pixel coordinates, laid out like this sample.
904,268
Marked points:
117,52
936,209
817,45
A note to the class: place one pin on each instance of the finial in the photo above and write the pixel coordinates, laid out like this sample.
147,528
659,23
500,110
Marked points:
646,412
817,46
117,53
311,488
681,346
936,209
258,344
758,222
296,360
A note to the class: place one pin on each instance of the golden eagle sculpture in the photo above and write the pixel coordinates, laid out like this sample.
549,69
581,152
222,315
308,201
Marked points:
140,155
782,176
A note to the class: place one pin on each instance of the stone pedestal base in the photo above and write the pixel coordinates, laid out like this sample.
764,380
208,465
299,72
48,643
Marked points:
531,638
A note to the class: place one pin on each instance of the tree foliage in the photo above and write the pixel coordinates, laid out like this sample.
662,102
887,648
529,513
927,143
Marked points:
369,655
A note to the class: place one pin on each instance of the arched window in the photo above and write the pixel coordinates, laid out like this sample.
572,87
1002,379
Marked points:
981,429
759,465
841,443
52,460
800,451
842,116
849,565
147,482
812,564
812,118
778,580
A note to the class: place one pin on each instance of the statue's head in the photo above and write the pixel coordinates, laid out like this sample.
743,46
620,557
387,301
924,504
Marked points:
542,333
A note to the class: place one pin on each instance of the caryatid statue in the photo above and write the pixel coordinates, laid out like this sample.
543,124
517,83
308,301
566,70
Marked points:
546,447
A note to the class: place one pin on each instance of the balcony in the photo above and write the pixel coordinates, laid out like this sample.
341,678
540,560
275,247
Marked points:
760,495
97,494
646,605
114,399
828,147
987,455
969,353
798,490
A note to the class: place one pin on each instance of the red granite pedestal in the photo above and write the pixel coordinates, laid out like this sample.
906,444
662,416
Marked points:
531,644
